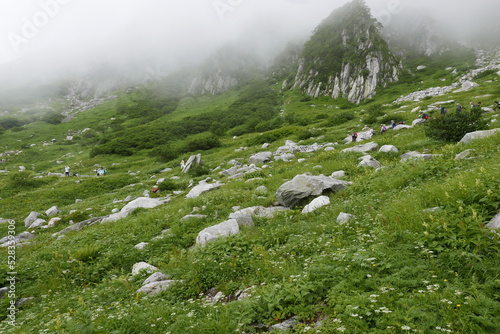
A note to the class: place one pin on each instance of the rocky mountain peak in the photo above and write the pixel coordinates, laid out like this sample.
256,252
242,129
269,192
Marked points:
347,56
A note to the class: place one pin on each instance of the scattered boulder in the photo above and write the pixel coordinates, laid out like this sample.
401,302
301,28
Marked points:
193,216
316,203
261,190
212,233
464,155
143,266
286,157
23,301
202,187
37,223
243,219
416,155
401,127
389,149
369,161
337,174
155,288
363,135
495,222
418,121
468,85
21,237
260,158
261,211
3,291
285,325
478,134
343,218
302,186
141,245
193,160
156,277
363,148
52,211
140,202
78,226
31,218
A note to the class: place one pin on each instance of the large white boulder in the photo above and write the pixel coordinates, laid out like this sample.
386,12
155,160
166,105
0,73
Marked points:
302,186
478,134
143,266
202,187
316,203
212,233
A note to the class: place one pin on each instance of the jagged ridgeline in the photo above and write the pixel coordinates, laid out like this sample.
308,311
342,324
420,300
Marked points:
347,56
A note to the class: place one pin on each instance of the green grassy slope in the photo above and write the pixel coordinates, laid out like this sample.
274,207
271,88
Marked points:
396,267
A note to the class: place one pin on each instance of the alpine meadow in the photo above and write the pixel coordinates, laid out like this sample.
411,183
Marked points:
347,184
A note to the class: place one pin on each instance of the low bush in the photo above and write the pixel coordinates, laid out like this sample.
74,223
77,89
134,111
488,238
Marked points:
453,126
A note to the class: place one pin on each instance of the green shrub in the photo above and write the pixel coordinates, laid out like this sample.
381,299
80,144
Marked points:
170,185
114,147
87,253
164,153
453,126
202,143
340,118
198,170
53,118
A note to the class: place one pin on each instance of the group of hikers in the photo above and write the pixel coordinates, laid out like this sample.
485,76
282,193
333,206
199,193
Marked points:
425,115
99,171
458,108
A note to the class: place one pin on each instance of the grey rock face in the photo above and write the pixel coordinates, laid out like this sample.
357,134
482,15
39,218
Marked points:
495,222
293,192
155,287
212,233
478,134
202,187
260,158
362,148
31,218
316,203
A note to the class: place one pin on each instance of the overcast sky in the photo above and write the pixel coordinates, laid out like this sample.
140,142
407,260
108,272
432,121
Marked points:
82,32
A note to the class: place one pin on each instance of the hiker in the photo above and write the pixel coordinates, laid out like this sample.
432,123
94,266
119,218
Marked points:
443,110
383,129
66,170
155,189
424,115
183,164
354,136
458,108
100,171
393,124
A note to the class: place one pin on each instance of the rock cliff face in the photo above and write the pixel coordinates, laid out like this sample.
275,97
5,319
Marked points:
212,83
223,70
347,57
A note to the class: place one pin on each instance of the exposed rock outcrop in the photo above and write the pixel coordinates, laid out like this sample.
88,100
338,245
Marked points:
347,57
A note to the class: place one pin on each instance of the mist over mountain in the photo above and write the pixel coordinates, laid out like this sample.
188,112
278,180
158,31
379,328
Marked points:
117,44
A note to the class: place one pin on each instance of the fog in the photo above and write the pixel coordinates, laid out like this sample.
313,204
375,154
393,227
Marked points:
46,39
